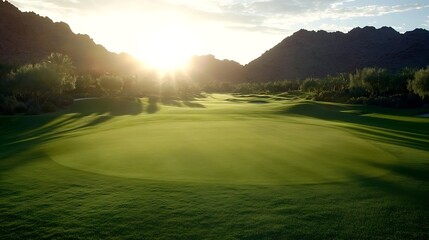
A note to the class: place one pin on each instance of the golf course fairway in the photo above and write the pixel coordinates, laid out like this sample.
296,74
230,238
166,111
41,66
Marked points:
235,151
215,167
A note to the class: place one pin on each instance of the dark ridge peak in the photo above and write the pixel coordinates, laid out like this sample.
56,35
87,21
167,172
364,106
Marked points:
373,32
27,37
303,32
317,54
371,29
417,31
359,30
386,28
322,31
6,6
64,26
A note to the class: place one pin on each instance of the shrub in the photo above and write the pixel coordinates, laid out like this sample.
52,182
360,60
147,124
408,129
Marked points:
311,85
64,68
48,107
20,107
8,104
420,84
111,85
37,81
357,92
358,100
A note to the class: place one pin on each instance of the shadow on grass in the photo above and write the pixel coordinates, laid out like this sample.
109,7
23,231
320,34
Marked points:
258,101
405,181
193,104
153,105
395,126
181,102
171,102
110,106
23,133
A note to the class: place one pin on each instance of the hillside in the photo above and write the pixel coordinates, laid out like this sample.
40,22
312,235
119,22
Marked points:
26,37
317,54
208,69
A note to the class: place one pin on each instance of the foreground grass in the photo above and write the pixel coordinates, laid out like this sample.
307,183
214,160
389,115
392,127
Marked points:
223,167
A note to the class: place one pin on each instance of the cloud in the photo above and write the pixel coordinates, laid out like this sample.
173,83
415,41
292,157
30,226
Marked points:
280,14
267,16
261,29
55,9
335,27
371,10
46,4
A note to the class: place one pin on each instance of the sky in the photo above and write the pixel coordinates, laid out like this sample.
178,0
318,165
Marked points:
168,31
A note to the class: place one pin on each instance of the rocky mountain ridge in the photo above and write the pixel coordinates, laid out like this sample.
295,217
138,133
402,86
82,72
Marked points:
26,37
317,54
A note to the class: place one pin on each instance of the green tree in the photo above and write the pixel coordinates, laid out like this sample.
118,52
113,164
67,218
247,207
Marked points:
83,83
63,65
111,85
420,84
375,80
311,85
36,81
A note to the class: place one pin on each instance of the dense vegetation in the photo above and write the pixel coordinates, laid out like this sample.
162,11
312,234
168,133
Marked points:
37,88
53,84
369,86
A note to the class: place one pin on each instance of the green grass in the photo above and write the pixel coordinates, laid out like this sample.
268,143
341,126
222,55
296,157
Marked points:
220,167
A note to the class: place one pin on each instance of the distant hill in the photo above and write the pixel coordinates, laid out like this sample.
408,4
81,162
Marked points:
26,37
317,54
209,69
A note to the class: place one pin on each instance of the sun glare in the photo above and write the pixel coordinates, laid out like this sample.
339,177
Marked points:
167,49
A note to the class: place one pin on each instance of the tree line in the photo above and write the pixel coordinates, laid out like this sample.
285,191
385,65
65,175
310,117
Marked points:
370,86
373,86
53,84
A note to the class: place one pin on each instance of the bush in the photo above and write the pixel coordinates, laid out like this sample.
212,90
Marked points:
48,107
8,104
332,96
20,108
33,108
358,100
356,92
111,85
420,84
36,81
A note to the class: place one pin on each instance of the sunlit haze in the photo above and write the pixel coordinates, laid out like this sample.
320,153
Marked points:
165,33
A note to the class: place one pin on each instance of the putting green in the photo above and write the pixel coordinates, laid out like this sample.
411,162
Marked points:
252,151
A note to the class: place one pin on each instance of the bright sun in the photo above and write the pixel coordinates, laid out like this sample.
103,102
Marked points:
167,49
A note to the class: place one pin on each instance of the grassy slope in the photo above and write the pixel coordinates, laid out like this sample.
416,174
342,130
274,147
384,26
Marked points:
216,168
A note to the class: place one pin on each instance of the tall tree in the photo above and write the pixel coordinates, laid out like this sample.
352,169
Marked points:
420,84
63,65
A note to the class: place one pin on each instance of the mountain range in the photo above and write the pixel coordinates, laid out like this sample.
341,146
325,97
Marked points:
26,37
317,54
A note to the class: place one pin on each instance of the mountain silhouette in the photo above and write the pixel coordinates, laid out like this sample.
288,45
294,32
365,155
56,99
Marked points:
26,37
317,54
207,68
